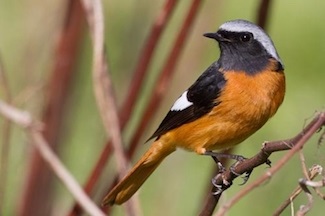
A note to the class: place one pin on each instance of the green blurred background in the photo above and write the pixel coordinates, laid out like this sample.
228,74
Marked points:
29,30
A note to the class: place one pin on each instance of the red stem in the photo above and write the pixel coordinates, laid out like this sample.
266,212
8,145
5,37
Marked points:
38,188
262,15
141,70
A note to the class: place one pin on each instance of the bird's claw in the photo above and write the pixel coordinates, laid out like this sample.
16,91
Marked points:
239,158
219,188
221,168
246,175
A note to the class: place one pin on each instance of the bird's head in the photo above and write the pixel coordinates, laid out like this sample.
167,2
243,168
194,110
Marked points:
244,46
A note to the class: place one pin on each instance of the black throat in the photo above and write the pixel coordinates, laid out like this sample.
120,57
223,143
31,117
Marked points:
251,59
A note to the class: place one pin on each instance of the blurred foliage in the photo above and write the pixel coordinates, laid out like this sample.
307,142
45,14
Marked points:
28,33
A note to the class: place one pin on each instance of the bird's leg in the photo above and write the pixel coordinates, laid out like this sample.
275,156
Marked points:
221,168
216,155
224,155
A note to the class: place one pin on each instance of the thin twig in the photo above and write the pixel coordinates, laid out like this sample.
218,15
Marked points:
313,172
304,184
314,184
102,83
260,158
321,138
305,208
32,128
104,93
305,171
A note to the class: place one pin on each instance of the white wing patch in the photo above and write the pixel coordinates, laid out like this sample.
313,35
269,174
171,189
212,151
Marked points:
181,103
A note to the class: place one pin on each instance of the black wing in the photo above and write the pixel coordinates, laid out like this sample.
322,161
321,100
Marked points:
202,94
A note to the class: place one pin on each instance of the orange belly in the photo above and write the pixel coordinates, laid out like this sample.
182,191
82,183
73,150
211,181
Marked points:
246,103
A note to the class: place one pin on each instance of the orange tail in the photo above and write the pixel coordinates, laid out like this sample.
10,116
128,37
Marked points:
139,173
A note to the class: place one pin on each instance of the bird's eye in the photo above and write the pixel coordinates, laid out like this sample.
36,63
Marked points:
246,37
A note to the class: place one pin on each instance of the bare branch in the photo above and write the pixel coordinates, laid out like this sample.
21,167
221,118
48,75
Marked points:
305,208
102,82
305,171
24,120
103,90
19,117
314,184
321,138
304,184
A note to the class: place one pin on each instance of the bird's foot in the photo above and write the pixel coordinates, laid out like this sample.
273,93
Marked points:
216,155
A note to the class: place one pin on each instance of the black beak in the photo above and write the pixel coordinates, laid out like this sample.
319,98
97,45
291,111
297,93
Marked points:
218,37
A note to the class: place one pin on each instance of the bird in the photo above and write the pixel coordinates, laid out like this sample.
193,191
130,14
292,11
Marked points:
232,99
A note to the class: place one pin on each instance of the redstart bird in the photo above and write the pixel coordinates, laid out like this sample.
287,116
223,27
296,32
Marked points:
230,101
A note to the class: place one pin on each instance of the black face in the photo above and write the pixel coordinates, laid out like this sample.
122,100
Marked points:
243,38
240,51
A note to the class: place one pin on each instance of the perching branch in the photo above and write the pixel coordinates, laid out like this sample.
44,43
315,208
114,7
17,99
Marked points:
260,158
268,148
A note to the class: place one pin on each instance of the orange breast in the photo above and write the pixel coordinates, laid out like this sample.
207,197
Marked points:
247,102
